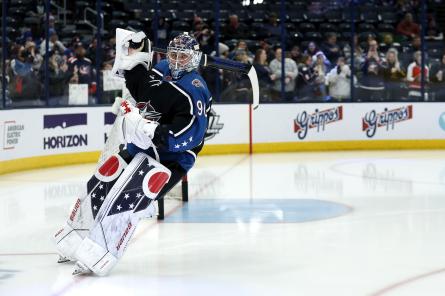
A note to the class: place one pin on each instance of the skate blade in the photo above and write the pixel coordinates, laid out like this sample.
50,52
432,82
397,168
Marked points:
63,259
81,269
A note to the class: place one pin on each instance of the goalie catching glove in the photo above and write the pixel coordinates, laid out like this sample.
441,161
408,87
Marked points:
135,129
134,49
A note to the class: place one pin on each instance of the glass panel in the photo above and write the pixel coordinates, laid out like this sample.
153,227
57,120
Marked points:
369,49
435,49
335,58
409,30
2,69
24,60
209,28
376,47
315,65
102,51
273,45
237,43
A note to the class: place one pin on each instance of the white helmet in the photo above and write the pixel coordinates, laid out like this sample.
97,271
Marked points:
183,55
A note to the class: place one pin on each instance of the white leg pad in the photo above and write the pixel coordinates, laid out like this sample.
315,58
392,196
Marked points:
95,257
150,211
130,199
85,208
67,240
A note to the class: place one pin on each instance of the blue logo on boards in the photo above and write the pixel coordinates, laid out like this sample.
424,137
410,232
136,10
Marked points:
442,121
109,118
57,138
64,120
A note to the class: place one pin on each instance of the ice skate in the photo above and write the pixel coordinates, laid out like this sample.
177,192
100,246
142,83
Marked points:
63,259
81,269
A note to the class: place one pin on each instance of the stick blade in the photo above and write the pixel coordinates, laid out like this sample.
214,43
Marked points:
255,87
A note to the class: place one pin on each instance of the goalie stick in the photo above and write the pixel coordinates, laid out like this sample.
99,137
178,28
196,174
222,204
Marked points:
229,65
206,61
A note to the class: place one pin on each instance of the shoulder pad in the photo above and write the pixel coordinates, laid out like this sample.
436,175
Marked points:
193,83
162,66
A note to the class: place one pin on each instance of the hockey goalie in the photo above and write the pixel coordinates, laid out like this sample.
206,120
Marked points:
162,127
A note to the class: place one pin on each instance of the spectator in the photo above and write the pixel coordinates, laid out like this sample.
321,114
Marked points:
242,56
91,51
438,79
69,52
339,81
312,49
54,43
358,53
408,27
24,83
59,76
416,45
82,69
235,29
290,72
330,48
110,50
223,51
205,36
212,76
406,5
393,74
371,85
34,56
295,54
163,32
414,77
432,31
268,48
307,78
387,42
241,46
273,29
235,85
264,74
321,69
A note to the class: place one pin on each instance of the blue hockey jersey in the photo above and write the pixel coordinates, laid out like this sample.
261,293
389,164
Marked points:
180,106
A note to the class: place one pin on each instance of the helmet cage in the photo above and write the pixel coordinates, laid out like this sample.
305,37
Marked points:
181,58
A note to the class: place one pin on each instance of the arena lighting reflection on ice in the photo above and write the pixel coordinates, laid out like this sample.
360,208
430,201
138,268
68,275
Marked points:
247,2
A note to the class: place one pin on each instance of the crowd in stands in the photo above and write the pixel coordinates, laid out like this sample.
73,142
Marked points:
383,64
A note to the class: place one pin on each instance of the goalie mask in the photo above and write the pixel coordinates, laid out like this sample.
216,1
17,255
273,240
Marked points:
183,55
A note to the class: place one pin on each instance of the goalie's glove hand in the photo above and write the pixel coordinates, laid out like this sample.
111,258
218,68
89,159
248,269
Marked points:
135,128
138,51
136,42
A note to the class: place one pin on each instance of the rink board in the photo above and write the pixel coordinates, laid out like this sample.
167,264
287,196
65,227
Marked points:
32,138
